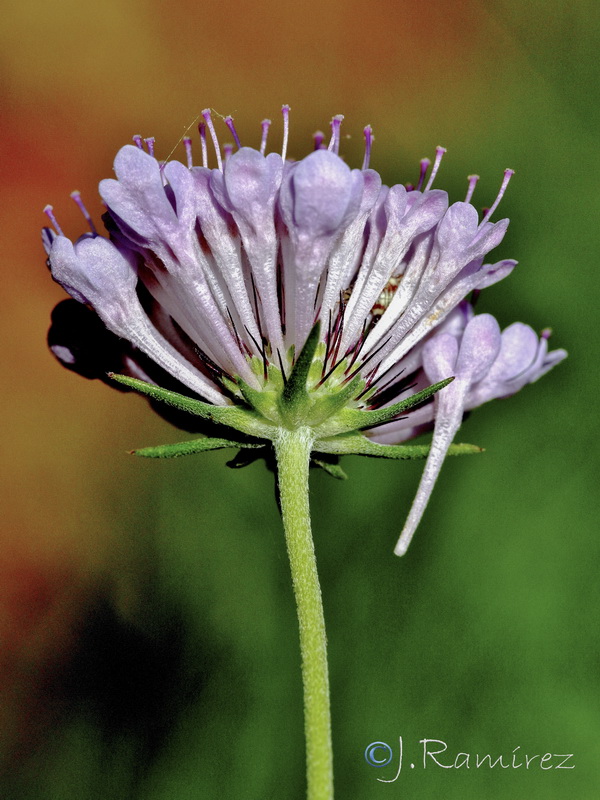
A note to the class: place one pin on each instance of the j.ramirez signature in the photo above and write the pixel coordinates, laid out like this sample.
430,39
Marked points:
434,753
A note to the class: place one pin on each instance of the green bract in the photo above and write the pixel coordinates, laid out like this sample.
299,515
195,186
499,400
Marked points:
334,411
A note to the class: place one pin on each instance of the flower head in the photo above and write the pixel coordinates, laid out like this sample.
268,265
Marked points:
269,294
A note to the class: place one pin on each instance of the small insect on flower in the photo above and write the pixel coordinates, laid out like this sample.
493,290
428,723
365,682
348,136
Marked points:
261,295
385,298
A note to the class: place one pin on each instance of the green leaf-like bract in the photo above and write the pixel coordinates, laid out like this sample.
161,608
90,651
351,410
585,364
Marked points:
359,445
231,416
354,419
331,468
189,448
336,431
294,392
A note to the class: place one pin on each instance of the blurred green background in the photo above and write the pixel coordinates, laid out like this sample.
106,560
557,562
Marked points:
148,642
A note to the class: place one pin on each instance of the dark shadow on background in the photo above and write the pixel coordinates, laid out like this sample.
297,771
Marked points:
123,687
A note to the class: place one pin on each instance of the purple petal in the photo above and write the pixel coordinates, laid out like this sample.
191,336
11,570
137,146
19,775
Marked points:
320,196
439,357
492,273
248,185
458,228
518,351
138,195
479,347
94,271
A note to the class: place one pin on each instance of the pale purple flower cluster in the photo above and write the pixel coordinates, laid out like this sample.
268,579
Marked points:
207,272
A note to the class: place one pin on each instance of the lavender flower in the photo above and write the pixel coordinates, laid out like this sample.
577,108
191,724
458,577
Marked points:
266,294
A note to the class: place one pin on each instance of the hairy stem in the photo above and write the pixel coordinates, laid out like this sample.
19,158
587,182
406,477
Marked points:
292,449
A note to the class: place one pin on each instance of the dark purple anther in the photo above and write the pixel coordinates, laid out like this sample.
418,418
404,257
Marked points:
508,173
213,134
79,203
202,132
265,125
439,154
187,143
368,133
424,166
318,139
229,122
336,124
285,110
49,212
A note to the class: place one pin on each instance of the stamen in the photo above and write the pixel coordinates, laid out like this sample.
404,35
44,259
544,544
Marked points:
318,139
285,110
546,333
383,422
265,124
424,166
138,140
330,372
227,151
328,342
229,122
371,355
187,143
369,138
202,132
368,379
263,338
508,173
336,124
49,212
439,154
283,375
356,348
237,338
150,145
213,135
391,391
79,202
472,184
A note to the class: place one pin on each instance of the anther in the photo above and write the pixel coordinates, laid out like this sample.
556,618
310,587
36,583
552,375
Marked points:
229,122
368,133
423,167
213,135
202,132
138,140
285,110
187,143
150,145
472,184
265,125
79,203
49,212
227,151
318,139
546,333
439,154
508,173
336,124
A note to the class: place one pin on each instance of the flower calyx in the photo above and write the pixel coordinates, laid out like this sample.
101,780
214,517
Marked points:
334,408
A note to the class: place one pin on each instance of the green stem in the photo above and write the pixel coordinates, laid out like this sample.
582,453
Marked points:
292,449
